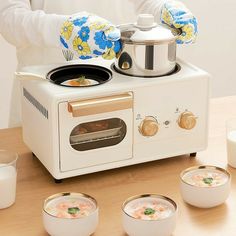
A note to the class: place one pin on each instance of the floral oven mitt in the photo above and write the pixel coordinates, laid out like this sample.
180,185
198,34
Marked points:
176,15
86,36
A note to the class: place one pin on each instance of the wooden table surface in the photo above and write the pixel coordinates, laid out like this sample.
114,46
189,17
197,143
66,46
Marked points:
112,187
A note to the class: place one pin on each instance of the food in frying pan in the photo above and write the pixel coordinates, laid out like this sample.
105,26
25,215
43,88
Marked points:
81,81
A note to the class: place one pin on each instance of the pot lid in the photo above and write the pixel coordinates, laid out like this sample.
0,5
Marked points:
145,30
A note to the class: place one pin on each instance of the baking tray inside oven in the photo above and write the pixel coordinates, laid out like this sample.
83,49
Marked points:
95,136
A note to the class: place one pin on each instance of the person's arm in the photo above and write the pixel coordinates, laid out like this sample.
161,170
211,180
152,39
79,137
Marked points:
84,34
36,4
21,26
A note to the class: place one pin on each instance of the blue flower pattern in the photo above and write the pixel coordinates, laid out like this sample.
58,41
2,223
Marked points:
84,33
80,21
97,35
117,46
63,42
96,52
85,57
101,40
176,15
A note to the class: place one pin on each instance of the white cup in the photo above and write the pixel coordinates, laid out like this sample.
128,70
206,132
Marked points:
231,142
8,175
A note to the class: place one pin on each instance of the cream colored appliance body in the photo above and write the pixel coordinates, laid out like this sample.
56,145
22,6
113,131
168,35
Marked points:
132,120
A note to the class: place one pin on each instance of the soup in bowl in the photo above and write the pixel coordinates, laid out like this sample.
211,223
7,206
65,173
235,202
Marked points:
205,186
70,214
149,214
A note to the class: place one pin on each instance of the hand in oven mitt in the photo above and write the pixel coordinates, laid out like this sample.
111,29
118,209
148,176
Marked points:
86,36
177,16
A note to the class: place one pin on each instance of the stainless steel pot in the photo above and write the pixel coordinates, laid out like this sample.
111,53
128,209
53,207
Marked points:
148,50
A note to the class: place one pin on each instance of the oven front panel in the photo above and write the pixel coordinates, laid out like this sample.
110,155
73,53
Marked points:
90,140
174,115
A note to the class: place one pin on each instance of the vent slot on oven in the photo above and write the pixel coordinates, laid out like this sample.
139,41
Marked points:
35,103
98,134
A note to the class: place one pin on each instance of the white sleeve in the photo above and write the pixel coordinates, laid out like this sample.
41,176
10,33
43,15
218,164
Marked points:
149,6
21,26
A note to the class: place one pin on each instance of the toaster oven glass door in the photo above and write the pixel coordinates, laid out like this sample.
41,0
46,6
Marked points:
98,134
88,139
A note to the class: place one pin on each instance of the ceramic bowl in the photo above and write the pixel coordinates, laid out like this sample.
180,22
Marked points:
149,214
205,186
70,214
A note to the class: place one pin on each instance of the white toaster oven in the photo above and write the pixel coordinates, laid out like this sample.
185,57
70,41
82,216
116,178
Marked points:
128,120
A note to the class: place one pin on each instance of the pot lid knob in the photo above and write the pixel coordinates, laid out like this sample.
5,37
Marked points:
145,21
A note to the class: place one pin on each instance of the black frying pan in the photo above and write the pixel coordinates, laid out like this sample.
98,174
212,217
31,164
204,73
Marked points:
60,75
98,74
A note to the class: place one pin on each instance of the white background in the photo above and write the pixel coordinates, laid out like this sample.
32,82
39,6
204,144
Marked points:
214,51
7,67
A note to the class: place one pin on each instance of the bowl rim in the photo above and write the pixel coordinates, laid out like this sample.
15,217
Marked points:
63,194
172,202
12,162
212,167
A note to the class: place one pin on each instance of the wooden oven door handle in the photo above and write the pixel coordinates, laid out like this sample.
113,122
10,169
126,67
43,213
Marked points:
101,105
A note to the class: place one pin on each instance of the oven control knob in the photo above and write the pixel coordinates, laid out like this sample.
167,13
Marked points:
187,120
149,126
